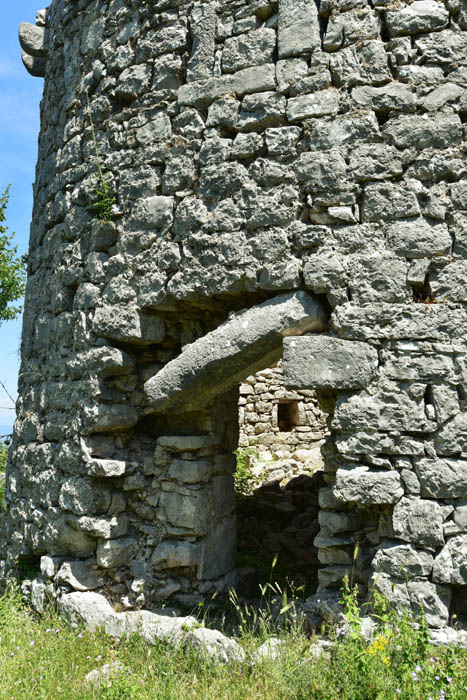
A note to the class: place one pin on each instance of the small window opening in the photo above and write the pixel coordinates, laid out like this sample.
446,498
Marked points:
287,416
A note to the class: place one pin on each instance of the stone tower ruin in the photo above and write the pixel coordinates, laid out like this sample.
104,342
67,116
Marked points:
221,184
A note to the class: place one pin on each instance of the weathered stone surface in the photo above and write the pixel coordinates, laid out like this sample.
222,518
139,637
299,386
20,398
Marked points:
363,63
451,563
393,96
127,324
251,151
215,645
349,27
80,496
442,478
299,29
383,320
325,361
112,553
451,438
413,131
419,521
169,555
188,510
105,467
252,49
385,202
317,104
34,40
80,575
422,596
233,351
105,528
243,82
402,561
35,66
92,609
419,16
203,29
359,484
418,238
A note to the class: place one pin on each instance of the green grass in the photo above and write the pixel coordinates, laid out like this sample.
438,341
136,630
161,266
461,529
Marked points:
43,658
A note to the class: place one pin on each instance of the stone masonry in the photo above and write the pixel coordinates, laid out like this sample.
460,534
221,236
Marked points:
280,173
282,430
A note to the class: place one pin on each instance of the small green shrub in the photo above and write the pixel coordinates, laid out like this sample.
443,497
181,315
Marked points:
245,480
105,196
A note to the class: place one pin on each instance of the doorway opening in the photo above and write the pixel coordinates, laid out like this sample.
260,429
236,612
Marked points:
279,475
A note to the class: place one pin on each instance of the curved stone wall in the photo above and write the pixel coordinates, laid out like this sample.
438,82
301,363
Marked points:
254,149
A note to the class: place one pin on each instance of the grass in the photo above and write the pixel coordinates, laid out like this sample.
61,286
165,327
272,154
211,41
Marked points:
44,658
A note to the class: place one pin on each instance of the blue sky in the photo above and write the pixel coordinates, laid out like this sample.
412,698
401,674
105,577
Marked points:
20,95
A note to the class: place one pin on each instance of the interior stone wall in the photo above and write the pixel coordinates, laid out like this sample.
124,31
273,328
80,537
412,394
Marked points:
279,447
278,168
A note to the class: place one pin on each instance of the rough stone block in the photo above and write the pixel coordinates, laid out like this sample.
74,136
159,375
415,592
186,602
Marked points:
133,81
219,550
80,496
243,82
299,29
105,467
385,202
419,238
419,16
170,555
317,104
252,49
442,478
203,22
35,66
433,599
104,528
186,443
423,131
357,484
34,40
189,510
391,321
125,323
395,96
419,521
451,563
190,471
321,171
80,575
314,361
113,417
113,553
402,561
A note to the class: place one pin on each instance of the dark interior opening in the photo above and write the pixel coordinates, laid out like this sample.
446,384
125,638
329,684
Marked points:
287,415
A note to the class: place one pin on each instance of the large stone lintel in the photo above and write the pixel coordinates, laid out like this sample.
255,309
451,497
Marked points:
220,360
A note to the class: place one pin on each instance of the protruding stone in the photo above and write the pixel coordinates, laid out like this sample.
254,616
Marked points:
34,65
33,39
128,325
